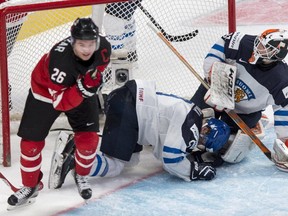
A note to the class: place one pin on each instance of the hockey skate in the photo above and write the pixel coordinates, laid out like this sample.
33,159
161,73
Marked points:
83,186
23,197
62,160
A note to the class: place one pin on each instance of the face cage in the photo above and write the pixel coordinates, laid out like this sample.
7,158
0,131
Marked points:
205,131
266,52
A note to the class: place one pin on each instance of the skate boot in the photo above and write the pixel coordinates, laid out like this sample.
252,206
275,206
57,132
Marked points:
22,197
83,186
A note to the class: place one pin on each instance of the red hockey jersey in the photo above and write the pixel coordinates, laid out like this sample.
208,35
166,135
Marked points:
53,80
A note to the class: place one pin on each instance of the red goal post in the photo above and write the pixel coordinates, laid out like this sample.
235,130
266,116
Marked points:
213,18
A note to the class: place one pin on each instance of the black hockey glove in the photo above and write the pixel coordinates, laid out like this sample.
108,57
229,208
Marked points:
89,83
202,171
214,159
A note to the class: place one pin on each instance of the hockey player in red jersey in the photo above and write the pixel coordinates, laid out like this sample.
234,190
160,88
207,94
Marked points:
137,116
261,79
64,80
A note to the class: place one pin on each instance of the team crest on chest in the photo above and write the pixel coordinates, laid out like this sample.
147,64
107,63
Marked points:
242,91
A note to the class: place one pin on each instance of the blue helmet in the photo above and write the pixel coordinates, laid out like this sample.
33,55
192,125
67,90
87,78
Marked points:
217,135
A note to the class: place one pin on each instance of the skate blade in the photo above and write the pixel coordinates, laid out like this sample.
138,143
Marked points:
29,202
282,168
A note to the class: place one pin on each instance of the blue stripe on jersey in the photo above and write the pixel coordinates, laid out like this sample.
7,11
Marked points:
173,160
121,37
174,96
215,56
172,150
218,47
99,164
105,169
280,123
119,46
281,113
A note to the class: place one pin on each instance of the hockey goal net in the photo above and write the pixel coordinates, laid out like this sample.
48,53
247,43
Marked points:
30,28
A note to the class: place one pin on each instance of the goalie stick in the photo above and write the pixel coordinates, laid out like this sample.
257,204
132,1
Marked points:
12,187
241,124
171,38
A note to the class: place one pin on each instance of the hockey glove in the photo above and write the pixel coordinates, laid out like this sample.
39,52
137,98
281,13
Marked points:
89,83
213,159
202,171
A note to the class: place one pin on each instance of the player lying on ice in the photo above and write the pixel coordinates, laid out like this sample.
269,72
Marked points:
259,79
136,116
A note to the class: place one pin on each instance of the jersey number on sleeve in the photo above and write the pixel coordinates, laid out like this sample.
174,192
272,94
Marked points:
58,76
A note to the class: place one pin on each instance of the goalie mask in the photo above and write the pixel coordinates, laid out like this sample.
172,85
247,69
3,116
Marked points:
85,29
270,46
214,134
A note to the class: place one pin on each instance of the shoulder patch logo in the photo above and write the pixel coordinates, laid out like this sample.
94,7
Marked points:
242,91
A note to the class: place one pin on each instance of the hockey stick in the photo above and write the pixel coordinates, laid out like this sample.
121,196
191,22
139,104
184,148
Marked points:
8,183
13,188
67,129
241,124
171,38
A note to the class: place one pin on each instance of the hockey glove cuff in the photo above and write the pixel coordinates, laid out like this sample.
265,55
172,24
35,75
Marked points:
89,84
214,159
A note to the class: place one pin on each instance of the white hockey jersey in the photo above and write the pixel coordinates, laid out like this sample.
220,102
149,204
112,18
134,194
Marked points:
256,86
170,124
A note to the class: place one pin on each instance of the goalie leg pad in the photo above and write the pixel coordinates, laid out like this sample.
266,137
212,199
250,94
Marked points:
240,145
62,157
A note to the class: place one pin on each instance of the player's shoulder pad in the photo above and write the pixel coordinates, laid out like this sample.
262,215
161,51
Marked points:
234,40
61,58
61,54
104,52
104,44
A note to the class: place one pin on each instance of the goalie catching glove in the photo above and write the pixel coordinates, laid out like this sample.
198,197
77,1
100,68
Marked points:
202,171
89,83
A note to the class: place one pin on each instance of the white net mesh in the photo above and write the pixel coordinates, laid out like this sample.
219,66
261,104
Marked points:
155,61
30,35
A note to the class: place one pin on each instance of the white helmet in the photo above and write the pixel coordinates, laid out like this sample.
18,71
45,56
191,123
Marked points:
270,46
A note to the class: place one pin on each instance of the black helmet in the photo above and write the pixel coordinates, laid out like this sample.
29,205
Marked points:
84,29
